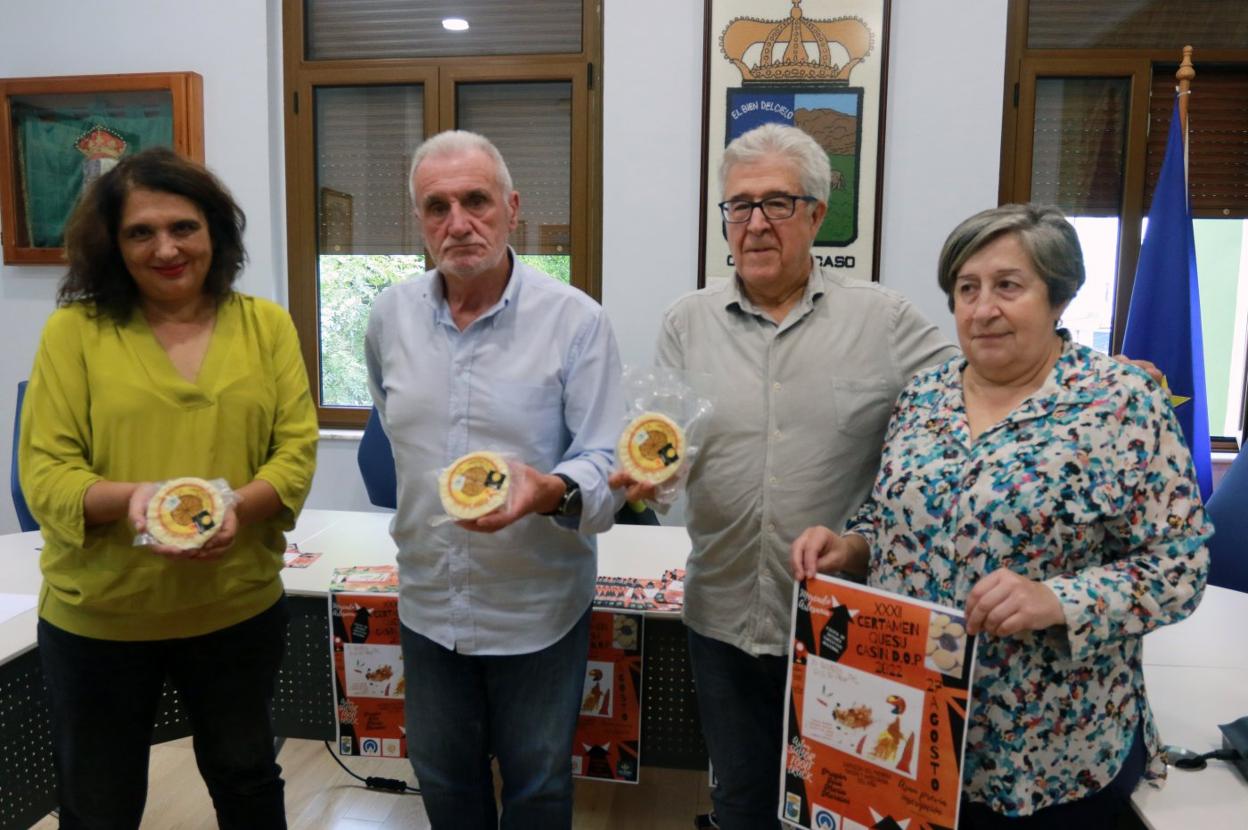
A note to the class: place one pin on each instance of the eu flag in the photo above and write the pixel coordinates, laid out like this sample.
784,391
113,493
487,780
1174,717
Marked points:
1163,322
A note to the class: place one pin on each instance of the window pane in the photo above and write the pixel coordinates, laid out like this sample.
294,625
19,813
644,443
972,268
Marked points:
1090,314
347,29
348,285
531,124
1078,144
368,238
1222,266
1222,274
1136,24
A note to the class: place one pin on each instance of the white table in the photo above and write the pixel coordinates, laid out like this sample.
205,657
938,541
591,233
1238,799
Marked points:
346,538
19,565
1196,673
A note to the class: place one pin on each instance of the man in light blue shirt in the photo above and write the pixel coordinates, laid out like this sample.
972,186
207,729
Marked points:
485,353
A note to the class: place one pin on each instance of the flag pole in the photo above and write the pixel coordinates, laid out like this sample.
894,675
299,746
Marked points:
1184,75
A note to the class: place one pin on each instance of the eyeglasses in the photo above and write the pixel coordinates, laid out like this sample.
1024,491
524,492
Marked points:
781,206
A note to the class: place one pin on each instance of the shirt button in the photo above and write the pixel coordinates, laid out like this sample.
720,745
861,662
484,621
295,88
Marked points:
776,434
772,479
771,527
776,386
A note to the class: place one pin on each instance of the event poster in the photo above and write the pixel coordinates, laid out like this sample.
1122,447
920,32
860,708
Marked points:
878,692
369,682
368,672
608,732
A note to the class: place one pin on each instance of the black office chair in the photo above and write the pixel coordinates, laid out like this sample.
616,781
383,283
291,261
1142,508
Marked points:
24,519
1228,507
376,460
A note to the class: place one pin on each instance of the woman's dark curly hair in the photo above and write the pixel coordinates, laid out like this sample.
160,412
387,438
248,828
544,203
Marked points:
97,274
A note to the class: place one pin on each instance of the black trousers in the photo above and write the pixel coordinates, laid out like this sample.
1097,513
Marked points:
104,696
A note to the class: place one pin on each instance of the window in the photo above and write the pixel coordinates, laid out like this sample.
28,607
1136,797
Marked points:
1089,90
365,82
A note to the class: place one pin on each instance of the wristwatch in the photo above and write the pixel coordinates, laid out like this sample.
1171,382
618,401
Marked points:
570,504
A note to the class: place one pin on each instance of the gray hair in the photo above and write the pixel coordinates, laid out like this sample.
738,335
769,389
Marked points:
790,144
454,142
1045,235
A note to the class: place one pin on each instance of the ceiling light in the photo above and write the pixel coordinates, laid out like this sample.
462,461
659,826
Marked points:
455,24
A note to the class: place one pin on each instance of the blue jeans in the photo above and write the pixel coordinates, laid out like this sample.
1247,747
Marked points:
104,696
522,708
741,704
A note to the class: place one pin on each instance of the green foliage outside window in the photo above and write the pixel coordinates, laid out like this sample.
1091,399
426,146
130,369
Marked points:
348,285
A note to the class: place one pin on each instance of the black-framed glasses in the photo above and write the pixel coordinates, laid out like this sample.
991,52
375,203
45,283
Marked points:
780,206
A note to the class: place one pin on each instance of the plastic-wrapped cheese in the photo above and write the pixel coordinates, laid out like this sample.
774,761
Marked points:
474,484
651,448
185,513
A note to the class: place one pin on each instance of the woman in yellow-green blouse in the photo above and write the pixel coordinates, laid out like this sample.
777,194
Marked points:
153,368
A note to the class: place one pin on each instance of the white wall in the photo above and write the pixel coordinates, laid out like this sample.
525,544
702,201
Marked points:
941,149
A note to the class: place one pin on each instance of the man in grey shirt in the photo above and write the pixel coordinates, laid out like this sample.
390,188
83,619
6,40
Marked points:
485,353
804,366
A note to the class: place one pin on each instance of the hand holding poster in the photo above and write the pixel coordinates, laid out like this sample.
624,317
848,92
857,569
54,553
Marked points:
878,690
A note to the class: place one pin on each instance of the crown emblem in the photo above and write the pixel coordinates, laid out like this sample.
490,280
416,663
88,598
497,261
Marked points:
796,32
100,142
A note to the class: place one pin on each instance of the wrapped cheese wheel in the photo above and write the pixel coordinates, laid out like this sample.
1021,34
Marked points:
651,448
185,513
474,484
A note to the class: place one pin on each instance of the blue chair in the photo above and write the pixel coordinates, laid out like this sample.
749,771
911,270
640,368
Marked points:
376,460
24,519
1228,507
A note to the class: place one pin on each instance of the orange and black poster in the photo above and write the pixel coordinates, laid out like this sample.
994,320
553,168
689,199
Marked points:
608,732
879,688
368,674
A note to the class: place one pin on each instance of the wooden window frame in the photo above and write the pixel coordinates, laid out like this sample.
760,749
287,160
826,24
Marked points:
1023,66
439,76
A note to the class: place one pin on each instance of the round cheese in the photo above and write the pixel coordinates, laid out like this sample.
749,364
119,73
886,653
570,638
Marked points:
185,513
651,448
474,484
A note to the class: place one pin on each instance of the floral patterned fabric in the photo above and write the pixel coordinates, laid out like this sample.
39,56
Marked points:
1087,486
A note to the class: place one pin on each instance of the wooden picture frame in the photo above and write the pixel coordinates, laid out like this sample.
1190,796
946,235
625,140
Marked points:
337,222
58,133
833,88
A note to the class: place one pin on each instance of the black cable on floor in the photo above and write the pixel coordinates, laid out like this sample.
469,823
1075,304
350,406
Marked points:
373,782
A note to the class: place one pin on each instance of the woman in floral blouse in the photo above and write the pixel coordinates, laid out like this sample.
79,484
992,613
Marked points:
1047,489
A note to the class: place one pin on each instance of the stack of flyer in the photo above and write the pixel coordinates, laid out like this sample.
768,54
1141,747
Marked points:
878,691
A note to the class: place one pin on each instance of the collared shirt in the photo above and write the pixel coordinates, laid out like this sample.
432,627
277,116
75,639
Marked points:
536,377
794,438
1086,486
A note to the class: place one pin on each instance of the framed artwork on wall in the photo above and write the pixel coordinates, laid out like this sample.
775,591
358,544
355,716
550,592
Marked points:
58,134
337,222
819,65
